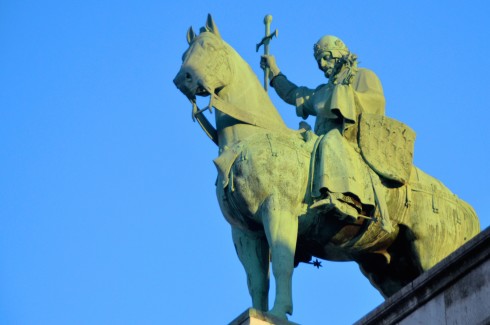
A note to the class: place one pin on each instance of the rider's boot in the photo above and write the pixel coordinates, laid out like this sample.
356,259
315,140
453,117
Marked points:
343,207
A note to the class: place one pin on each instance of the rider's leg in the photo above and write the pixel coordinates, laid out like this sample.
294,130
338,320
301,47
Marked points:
342,182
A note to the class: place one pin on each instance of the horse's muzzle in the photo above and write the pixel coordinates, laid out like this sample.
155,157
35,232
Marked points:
183,81
189,85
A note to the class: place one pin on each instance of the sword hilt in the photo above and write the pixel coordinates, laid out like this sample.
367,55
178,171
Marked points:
265,41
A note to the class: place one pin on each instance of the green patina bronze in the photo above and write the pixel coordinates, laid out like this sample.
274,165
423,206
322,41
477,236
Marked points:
347,191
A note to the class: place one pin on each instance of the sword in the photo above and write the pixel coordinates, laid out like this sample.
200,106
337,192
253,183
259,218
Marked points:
265,41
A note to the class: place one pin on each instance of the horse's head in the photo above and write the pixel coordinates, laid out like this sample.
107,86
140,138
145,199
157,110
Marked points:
205,66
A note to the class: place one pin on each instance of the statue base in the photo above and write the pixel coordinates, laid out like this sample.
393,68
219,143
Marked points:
455,291
255,317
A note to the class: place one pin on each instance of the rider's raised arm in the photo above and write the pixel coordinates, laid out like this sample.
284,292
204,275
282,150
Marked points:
301,97
286,90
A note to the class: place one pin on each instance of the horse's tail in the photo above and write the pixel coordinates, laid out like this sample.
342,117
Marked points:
470,220
440,221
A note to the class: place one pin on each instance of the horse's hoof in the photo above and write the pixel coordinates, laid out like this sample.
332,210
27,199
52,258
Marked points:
275,316
281,314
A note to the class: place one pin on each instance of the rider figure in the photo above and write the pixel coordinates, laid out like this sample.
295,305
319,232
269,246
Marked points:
342,181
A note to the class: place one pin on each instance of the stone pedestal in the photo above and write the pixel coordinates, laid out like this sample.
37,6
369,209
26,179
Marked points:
455,291
254,317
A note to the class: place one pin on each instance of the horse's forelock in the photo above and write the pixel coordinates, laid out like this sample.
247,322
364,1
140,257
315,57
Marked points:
211,54
207,41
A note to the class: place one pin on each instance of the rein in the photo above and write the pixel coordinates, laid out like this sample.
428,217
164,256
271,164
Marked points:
207,127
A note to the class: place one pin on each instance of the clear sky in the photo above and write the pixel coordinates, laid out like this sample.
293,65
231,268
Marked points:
108,212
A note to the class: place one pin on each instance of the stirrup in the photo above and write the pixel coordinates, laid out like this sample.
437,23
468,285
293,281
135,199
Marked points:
348,216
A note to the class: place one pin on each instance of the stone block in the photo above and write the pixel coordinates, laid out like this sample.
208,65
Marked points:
455,291
255,317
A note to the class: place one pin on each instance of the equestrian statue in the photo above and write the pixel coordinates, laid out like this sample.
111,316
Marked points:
345,191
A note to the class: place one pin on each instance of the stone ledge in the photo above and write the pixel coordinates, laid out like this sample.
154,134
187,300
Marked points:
255,317
432,284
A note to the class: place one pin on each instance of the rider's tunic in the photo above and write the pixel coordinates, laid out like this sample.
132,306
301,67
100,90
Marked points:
337,106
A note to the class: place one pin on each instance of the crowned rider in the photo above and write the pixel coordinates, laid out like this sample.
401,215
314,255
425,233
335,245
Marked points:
341,179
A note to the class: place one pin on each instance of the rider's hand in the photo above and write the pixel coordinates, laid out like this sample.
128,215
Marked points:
269,61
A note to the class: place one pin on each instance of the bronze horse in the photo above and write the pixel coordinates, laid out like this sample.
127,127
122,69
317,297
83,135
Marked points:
263,190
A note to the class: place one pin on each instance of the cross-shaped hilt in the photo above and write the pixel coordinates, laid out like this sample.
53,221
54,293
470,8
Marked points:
265,41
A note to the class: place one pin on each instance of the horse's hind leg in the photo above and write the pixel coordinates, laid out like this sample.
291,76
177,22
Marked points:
390,276
281,228
253,251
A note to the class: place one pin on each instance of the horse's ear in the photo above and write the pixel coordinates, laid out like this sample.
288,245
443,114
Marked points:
190,35
211,26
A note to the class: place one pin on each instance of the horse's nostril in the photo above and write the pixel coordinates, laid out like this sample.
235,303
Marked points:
178,80
188,76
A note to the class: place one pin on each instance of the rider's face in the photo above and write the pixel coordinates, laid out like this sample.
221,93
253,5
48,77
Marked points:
326,63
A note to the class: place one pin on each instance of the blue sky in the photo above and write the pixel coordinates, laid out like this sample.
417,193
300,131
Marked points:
108,212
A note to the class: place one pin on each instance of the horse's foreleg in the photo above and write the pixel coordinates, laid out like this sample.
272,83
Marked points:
253,252
281,228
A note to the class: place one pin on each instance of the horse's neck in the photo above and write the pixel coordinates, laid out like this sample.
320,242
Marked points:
245,91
